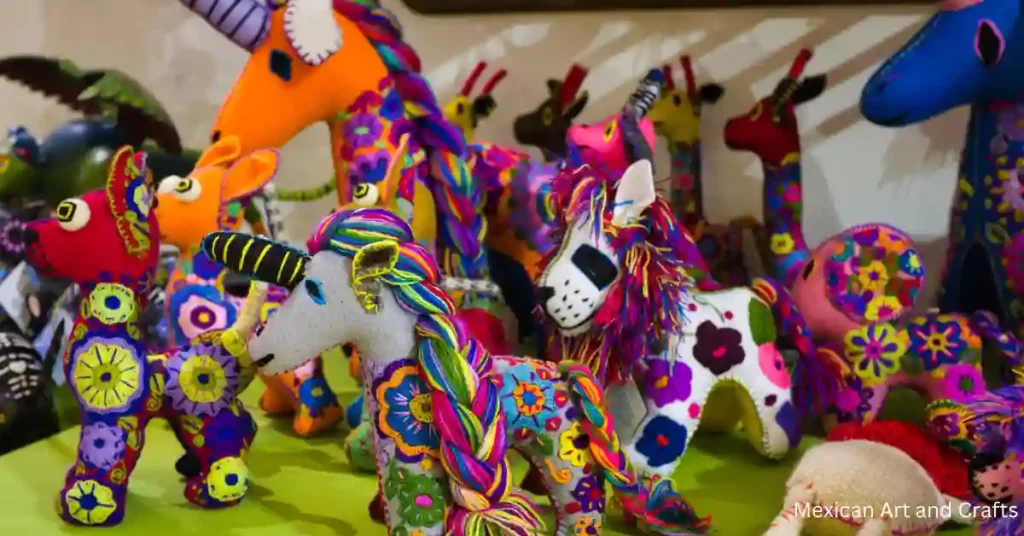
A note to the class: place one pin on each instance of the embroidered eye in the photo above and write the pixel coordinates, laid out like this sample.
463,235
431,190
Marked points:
315,291
186,189
547,116
73,214
808,270
366,195
609,131
677,101
281,64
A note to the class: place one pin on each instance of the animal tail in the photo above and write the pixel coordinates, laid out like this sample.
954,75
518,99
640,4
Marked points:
303,195
820,372
652,500
987,325
235,339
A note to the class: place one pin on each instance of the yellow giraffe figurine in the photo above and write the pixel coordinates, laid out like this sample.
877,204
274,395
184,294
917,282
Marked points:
466,112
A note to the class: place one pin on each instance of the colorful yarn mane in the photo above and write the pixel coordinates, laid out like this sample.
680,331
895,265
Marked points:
466,407
654,253
459,199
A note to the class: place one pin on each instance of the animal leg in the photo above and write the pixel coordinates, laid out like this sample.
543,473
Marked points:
96,487
273,400
564,483
318,408
874,527
790,521
359,449
223,478
188,464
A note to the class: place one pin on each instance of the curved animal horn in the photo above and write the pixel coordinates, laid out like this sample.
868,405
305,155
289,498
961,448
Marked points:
784,91
467,86
244,22
691,80
666,71
492,82
571,85
257,257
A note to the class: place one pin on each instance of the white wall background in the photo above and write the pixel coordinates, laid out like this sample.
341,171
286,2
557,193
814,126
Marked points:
853,171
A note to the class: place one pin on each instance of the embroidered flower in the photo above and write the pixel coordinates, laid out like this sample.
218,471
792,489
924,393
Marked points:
948,421
528,400
937,342
875,350
200,308
362,130
873,277
662,441
12,244
844,250
406,412
718,349
587,526
573,445
421,499
315,394
589,493
90,502
782,243
963,382
668,381
228,479
112,303
102,445
854,402
369,167
910,262
106,374
201,379
883,308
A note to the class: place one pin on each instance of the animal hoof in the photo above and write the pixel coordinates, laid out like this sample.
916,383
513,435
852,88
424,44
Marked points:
187,465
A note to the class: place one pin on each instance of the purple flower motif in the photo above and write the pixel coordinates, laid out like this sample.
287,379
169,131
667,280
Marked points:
369,167
854,402
224,432
362,130
589,492
201,379
668,382
102,445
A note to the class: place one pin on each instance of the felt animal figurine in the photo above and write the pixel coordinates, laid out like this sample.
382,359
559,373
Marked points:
621,265
676,117
864,488
27,412
445,410
106,242
211,199
465,112
547,125
74,158
977,43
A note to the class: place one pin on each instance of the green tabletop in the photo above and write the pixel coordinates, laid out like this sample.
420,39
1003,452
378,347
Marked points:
306,487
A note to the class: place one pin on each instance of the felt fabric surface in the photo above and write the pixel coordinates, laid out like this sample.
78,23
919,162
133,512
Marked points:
306,487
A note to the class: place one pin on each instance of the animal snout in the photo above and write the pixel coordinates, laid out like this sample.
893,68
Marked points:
264,361
29,236
215,136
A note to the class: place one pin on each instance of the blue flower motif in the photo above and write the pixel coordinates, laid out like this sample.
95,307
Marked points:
315,394
527,399
662,441
406,411
910,263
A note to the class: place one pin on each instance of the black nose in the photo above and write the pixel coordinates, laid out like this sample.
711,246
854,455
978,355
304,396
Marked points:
28,236
265,360
236,285
545,293
215,136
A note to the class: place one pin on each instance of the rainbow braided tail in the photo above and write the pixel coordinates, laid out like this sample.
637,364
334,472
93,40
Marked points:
653,500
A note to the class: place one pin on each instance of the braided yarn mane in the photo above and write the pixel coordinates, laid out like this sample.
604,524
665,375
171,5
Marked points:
459,198
467,411
643,306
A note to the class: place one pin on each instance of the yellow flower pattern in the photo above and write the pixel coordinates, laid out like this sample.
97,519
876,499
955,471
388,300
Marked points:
228,479
570,448
206,368
781,243
90,502
113,303
107,375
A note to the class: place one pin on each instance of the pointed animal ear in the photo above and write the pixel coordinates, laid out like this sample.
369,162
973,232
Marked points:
312,29
483,106
553,85
710,93
223,152
250,174
388,188
576,107
810,88
635,193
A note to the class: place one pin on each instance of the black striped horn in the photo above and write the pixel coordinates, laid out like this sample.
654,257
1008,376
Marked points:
257,257
245,22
